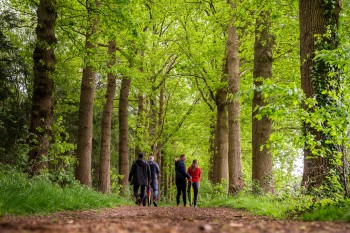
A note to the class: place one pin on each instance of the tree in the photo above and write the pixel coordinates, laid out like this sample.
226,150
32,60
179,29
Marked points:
221,136
105,156
139,123
262,124
124,131
15,103
319,31
236,182
42,104
84,146
218,94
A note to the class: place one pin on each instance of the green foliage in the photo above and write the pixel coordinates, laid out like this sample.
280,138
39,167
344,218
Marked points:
15,103
61,155
116,188
327,118
282,205
277,206
286,204
20,195
149,36
329,210
209,191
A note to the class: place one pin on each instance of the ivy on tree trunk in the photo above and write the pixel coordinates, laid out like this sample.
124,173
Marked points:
262,124
42,103
319,32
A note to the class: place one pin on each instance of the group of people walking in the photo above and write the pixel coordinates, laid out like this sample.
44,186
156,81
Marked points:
192,175
143,174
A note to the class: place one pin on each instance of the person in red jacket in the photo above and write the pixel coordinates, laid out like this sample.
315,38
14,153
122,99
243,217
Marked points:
195,172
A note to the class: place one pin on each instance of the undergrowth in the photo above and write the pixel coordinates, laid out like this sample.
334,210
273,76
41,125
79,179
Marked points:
264,205
334,211
20,195
279,206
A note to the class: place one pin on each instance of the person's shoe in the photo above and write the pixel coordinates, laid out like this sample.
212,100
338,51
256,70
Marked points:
155,203
138,201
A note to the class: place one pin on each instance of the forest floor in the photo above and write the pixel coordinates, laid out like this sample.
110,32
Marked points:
161,219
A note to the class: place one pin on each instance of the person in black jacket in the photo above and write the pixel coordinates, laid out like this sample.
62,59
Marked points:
154,179
181,179
140,176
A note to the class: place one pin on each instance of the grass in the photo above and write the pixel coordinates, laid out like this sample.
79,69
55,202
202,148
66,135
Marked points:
21,196
289,207
334,212
271,206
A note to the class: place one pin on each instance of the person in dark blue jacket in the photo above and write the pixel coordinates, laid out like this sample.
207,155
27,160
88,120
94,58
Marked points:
154,178
140,176
181,179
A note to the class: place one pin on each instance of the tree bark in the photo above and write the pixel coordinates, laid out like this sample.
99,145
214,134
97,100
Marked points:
221,138
212,151
312,22
236,182
159,145
262,158
124,131
105,153
85,125
42,104
315,17
152,125
140,121
165,177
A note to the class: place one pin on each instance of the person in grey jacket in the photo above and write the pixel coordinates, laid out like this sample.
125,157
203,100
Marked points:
140,177
154,178
181,179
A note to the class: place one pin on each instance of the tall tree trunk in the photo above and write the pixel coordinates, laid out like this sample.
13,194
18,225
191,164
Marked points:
152,125
345,172
159,133
221,168
262,158
124,131
233,106
139,124
317,18
140,121
42,104
85,125
105,153
212,151
170,180
165,177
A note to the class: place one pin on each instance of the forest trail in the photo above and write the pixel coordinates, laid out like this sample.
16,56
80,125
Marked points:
161,220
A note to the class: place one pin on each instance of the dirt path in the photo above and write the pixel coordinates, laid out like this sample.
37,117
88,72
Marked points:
161,219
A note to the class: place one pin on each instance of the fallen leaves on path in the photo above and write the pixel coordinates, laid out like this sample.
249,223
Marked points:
162,220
